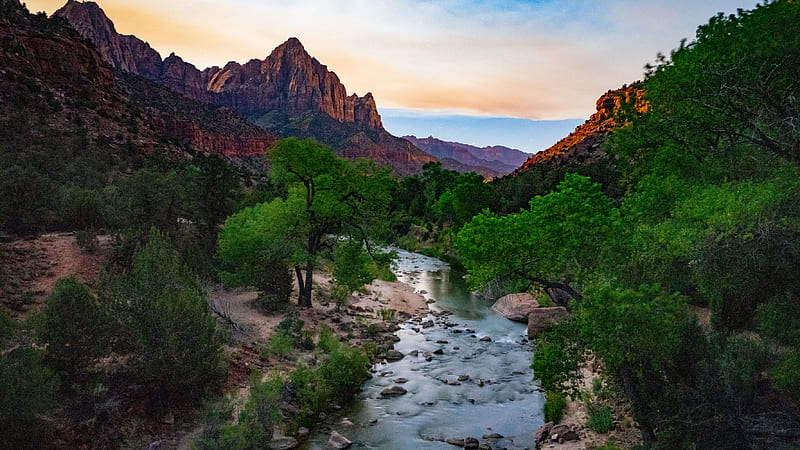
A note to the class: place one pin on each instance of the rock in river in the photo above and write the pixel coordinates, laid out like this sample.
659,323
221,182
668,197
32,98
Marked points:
339,441
393,391
394,355
516,306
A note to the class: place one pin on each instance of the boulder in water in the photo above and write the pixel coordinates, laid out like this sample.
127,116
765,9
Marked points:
338,441
393,391
516,306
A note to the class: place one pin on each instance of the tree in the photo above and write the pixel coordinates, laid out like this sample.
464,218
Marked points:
555,243
74,328
328,197
165,324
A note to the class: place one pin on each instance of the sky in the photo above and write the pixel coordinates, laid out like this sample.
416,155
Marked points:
540,60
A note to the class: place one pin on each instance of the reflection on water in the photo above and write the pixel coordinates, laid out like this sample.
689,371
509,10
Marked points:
479,384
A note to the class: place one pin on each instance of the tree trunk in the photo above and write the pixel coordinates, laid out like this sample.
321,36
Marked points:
304,299
630,391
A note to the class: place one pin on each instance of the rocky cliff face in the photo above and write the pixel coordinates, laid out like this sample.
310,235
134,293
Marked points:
54,85
583,144
289,92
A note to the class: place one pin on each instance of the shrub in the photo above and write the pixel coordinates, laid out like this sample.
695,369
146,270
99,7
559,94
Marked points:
280,345
87,241
600,420
73,328
387,314
165,324
256,422
554,405
27,390
327,340
786,376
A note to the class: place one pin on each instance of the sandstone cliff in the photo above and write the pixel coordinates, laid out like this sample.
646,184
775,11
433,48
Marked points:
583,144
289,92
55,86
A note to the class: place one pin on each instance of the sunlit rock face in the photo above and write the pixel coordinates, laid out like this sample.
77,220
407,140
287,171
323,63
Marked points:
583,144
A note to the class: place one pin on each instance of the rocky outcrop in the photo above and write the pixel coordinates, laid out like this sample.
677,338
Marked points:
541,318
338,441
84,95
124,52
516,307
501,160
583,144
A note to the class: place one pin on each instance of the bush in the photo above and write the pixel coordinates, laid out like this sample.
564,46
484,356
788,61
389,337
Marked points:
165,324
280,345
256,423
73,328
554,405
27,390
87,241
337,378
600,420
387,314
786,376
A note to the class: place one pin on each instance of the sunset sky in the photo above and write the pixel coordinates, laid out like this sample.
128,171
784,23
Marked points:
534,59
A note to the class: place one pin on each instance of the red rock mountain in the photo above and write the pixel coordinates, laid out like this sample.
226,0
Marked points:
583,144
54,86
289,92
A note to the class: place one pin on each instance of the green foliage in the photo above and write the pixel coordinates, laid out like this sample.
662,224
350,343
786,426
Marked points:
554,405
280,345
779,319
354,266
559,237
74,329
87,240
556,360
786,375
336,379
256,424
165,324
387,315
600,420
27,390
742,360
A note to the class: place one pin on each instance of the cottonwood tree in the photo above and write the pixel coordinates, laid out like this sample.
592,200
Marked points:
329,200
555,243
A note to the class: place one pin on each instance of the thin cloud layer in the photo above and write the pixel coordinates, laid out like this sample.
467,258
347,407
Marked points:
547,59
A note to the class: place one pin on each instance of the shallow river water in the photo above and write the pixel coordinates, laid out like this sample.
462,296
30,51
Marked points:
474,388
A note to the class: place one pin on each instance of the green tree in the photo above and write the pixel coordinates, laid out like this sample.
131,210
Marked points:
327,197
27,390
74,329
166,325
555,243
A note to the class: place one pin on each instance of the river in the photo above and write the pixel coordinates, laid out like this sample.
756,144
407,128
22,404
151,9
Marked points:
480,384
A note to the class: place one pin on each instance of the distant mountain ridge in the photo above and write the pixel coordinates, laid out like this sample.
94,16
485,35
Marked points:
502,160
289,92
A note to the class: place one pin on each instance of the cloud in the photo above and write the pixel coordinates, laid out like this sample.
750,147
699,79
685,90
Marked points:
547,59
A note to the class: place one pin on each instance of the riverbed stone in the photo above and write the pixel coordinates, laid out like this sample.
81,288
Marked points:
427,324
438,351
471,442
393,391
338,441
486,339
283,443
541,318
401,380
516,306
394,355
458,442
493,436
